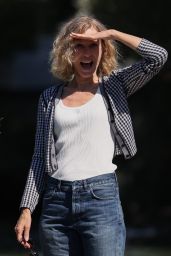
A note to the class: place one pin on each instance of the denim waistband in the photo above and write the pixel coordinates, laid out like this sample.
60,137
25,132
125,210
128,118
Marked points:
99,179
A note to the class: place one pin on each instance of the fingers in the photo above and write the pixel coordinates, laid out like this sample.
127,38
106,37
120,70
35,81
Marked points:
19,232
82,36
105,34
22,229
22,234
26,245
26,233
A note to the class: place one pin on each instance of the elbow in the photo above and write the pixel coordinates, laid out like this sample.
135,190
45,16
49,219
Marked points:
163,56
159,59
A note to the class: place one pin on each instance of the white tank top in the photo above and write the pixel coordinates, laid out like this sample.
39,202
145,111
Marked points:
84,144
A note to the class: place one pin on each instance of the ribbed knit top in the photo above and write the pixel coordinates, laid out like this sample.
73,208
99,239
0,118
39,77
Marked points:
84,144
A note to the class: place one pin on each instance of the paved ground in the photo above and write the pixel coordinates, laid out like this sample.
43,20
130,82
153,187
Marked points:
145,251
139,251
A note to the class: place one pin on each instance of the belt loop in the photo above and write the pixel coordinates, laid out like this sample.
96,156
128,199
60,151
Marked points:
116,179
59,185
84,184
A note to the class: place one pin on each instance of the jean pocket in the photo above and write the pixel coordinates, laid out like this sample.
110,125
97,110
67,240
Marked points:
103,191
49,192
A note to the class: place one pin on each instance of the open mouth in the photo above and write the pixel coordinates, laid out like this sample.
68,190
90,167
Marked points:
86,64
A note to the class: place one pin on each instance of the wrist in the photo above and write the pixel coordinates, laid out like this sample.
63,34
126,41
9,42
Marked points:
114,34
25,210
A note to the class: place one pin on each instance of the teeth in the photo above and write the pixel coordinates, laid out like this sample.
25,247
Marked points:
87,62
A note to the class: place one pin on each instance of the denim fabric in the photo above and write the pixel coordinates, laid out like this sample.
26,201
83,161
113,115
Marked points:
82,218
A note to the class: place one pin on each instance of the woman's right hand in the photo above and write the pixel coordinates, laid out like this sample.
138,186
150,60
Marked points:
22,228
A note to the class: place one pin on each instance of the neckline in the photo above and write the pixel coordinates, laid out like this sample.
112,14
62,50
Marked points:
83,105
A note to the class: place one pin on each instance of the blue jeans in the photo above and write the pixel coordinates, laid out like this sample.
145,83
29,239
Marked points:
82,218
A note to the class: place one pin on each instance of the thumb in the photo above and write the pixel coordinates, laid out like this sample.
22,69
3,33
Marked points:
19,232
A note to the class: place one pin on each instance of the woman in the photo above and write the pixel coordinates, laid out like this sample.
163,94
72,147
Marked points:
83,123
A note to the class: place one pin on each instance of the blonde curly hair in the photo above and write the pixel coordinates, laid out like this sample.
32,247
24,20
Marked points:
62,51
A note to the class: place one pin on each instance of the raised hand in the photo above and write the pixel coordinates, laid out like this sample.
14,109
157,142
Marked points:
111,34
106,34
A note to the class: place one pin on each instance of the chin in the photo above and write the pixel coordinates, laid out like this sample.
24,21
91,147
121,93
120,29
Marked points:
87,75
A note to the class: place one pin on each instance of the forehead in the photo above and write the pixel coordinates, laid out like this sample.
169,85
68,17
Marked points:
88,32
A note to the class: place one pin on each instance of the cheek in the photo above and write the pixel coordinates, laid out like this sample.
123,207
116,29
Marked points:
75,60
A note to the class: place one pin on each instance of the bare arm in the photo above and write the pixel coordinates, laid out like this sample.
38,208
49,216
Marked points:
127,39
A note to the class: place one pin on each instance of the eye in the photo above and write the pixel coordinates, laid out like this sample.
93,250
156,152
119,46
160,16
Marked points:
93,45
78,46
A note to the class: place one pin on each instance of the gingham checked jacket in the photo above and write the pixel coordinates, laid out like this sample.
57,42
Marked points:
117,86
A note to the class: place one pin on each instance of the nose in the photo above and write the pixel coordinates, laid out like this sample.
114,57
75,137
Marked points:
87,52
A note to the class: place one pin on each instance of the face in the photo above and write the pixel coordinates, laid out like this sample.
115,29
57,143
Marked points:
87,56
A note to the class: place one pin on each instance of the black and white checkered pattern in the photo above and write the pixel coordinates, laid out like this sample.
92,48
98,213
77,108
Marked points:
118,86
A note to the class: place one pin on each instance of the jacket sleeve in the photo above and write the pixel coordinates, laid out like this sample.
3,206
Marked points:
36,175
136,75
